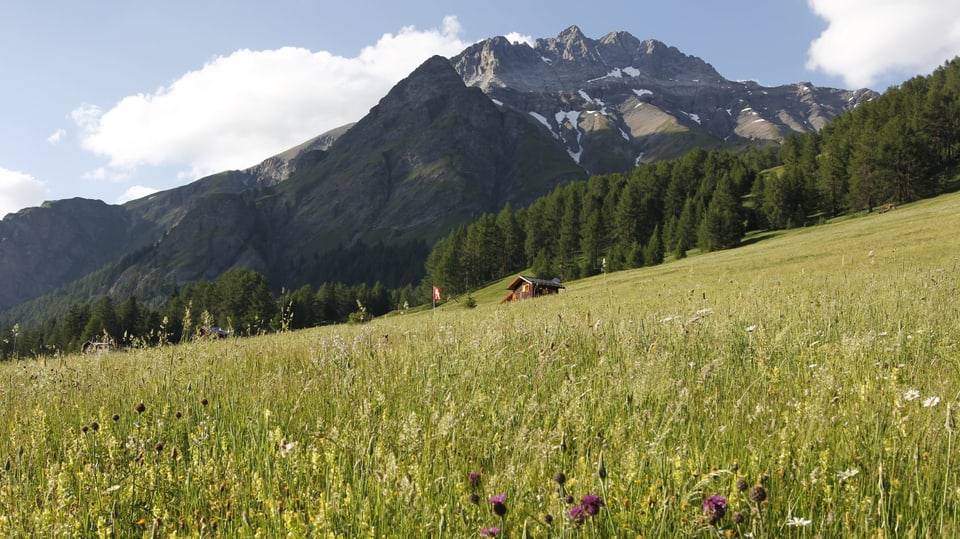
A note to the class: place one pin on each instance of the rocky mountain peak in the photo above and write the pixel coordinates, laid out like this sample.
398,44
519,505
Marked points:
570,46
572,36
618,101
434,77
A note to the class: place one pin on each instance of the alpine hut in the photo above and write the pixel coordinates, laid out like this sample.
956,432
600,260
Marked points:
524,287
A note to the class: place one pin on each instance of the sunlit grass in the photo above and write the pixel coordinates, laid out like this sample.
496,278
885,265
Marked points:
809,379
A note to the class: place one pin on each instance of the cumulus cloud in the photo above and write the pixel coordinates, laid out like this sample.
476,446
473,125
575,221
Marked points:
244,107
19,190
135,192
866,40
514,37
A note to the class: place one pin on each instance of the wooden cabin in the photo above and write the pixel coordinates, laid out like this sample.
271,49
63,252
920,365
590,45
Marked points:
530,287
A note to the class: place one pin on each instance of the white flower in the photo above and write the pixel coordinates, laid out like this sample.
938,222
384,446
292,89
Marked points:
113,488
847,474
286,447
930,402
751,328
913,394
797,521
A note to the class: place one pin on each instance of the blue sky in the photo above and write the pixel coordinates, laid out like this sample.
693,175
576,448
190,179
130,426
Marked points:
114,99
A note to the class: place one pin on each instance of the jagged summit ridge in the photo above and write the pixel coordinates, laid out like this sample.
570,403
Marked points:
618,101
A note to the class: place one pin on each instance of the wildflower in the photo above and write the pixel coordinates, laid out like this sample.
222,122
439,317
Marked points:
847,474
490,532
474,478
797,522
286,447
140,408
568,499
738,518
499,508
913,394
715,507
116,417
758,493
592,504
578,515
930,402
752,328
560,478
742,485
204,402
474,498
548,518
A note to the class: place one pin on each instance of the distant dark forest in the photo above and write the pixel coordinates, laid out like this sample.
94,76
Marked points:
903,146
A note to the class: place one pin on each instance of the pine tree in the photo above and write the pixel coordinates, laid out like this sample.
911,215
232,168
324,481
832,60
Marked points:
653,253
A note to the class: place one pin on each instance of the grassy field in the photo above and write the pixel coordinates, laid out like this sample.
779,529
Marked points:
810,379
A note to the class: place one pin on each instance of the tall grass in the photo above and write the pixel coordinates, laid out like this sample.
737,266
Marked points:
817,367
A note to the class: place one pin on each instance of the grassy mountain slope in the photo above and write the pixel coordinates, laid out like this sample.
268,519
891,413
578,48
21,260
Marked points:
818,365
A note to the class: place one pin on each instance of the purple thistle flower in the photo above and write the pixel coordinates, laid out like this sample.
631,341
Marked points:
578,515
490,532
715,507
592,504
474,479
499,508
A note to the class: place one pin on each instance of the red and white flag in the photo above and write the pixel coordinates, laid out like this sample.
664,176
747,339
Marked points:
436,293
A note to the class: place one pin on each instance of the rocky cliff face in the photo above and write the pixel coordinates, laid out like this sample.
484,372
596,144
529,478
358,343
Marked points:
57,243
616,102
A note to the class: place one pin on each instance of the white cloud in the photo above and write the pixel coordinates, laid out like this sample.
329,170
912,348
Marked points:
19,190
514,37
57,136
135,192
244,107
866,40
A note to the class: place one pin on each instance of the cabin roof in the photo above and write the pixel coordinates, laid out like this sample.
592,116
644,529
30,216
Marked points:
554,283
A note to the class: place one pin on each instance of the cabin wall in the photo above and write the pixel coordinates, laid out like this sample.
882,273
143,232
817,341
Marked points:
525,291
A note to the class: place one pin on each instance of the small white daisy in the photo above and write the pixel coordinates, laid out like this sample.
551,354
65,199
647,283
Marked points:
847,474
911,395
797,521
930,402
751,328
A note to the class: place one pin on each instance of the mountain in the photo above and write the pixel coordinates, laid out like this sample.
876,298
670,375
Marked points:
501,123
617,102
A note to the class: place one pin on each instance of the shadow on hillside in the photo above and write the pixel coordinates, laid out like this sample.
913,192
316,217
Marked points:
758,236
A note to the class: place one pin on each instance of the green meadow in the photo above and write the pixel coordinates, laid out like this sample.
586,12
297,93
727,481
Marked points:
810,378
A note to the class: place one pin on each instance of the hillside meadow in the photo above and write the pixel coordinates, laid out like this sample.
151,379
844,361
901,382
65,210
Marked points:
804,385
